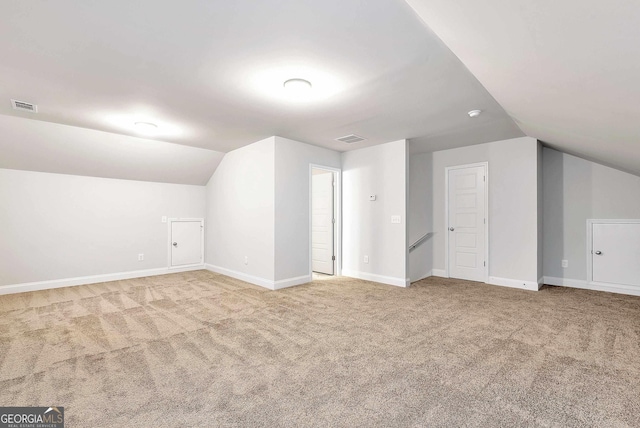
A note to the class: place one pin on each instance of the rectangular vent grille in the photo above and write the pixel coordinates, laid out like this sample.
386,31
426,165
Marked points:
23,106
353,138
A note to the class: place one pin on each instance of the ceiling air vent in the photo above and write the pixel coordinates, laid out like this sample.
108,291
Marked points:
22,106
353,138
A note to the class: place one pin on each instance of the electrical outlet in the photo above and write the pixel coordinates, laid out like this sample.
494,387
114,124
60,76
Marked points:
366,259
395,219
246,260
140,257
565,263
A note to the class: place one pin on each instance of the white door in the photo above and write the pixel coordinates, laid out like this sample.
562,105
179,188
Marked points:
466,223
186,242
616,253
322,222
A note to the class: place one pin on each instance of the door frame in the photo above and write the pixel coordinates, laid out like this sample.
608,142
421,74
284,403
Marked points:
486,215
337,208
170,221
590,223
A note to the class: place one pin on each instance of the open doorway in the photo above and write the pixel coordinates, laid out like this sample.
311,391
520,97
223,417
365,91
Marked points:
324,222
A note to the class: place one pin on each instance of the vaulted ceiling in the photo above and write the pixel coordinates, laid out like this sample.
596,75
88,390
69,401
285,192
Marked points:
566,71
210,74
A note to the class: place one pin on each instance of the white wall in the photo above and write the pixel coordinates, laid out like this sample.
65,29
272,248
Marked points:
258,207
574,191
513,211
55,226
241,214
292,160
367,230
420,214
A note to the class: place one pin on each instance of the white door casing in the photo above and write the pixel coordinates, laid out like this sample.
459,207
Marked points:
322,223
186,242
614,253
467,222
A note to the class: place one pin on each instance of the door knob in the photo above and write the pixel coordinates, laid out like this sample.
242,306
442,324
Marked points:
451,229
175,244
598,253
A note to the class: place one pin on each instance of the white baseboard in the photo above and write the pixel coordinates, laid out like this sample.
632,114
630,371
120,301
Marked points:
439,272
597,286
503,282
256,280
93,279
565,282
514,283
262,282
540,282
290,282
426,275
398,282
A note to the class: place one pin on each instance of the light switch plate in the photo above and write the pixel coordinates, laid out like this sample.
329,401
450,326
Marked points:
164,218
395,219
372,197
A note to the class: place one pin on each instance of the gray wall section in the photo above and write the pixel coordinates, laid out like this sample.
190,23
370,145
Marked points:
56,226
513,200
241,211
540,212
367,230
576,190
59,226
258,205
420,214
292,160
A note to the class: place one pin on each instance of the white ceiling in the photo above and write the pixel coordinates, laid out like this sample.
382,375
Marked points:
50,147
210,73
567,71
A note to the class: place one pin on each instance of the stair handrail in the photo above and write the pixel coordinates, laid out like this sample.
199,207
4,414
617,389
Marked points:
420,241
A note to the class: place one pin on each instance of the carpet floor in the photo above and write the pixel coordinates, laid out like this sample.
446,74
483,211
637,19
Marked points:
201,349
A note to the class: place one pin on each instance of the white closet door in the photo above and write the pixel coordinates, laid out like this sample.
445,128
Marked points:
616,253
186,242
466,223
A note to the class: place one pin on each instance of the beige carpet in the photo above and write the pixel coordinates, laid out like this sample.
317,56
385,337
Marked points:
200,349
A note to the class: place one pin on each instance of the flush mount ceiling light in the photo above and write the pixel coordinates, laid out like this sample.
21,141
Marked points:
146,128
474,113
276,84
144,122
297,86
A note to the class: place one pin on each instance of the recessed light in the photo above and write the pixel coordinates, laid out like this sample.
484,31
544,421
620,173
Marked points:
474,113
297,86
146,128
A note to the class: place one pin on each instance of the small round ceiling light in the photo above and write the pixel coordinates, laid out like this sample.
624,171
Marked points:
474,113
146,128
297,86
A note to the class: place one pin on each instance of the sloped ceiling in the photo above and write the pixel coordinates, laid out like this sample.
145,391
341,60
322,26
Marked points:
210,74
566,71
50,147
